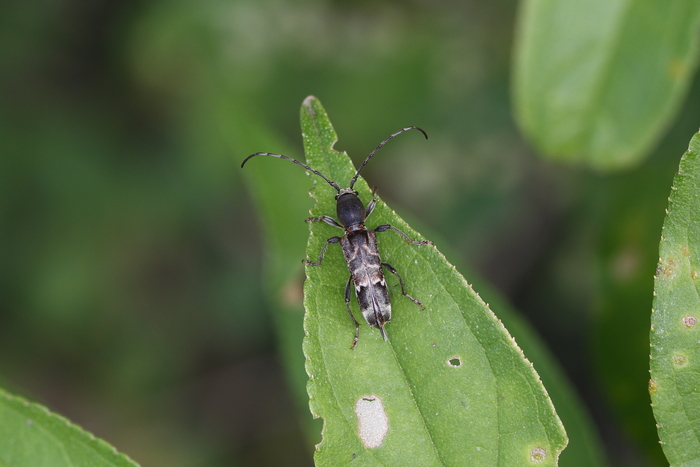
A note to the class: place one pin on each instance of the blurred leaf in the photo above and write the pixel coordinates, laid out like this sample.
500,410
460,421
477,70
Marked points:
32,436
623,218
282,198
451,383
597,82
675,342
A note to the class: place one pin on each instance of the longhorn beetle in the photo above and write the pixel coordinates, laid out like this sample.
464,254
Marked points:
359,246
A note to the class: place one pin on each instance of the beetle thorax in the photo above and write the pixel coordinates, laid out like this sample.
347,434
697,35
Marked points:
349,208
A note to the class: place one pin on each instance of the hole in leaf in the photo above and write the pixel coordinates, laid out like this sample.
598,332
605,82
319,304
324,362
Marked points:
455,362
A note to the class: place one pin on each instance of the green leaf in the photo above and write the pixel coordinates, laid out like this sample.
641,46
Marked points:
32,436
597,82
675,333
287,202
450,385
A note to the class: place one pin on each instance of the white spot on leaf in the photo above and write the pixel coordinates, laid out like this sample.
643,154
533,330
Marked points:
372,422
690,321
538,455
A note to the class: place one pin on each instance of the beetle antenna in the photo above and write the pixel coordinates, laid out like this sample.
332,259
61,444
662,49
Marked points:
357,174
331,182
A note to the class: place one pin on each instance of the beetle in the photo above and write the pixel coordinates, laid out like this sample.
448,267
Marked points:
359,245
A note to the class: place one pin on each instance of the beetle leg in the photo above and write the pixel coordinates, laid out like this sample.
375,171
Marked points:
327,219
403,287
385,227
323,252
352,317
370,206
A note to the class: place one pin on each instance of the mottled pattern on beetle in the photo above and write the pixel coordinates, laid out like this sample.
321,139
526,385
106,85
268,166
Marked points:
362,256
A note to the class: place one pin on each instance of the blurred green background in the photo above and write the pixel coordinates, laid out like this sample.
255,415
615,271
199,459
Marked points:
133,263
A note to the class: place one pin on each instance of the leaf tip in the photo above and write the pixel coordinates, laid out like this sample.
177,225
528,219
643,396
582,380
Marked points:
309,105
